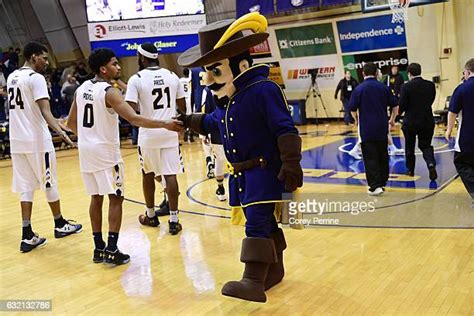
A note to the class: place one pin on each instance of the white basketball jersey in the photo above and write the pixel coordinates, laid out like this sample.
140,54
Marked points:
29,131
186,83
97,128
155,90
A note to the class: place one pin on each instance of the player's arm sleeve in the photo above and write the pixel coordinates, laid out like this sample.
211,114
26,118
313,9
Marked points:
455,104
132,90
39,88
273,106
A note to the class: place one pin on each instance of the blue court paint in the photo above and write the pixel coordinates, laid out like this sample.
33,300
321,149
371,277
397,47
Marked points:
330,164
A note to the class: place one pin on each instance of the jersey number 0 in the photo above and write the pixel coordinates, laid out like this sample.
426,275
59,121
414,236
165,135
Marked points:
88,119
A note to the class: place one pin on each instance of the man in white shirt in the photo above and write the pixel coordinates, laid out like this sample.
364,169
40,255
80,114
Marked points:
94,118
33,155
159,92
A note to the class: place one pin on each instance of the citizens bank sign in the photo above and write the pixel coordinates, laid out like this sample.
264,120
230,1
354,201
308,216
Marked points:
309,40
372,33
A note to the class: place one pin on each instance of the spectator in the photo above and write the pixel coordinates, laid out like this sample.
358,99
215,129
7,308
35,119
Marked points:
346,86
67,91
81,73
394,81
6,55
3,86
67,71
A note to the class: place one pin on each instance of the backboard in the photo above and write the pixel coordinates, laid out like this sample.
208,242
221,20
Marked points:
379,5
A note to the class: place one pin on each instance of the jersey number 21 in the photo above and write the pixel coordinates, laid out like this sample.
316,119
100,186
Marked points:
159,95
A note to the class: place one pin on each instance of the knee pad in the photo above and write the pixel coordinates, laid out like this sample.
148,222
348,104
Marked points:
27,196
52,194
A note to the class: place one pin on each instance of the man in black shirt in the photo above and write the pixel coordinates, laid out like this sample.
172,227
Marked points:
416,98
394,81
346,86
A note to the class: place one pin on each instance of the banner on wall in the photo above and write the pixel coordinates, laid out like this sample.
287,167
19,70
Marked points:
297,72
247,6
275,73
174,25
287,5
384,60
164,44
310,40
371,33
261,50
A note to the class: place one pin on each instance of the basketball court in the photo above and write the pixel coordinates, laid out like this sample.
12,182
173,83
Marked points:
412,255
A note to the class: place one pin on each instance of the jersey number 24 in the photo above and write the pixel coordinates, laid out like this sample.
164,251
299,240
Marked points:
15,100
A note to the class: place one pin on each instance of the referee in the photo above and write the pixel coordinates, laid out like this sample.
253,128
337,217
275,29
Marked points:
462,105
371,99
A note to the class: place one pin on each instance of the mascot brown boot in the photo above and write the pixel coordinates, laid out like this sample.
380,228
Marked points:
276,271
257,254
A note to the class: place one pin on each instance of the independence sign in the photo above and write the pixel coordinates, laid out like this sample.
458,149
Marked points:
372,33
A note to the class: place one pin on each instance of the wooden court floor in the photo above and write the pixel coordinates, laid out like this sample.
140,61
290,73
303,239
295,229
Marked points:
329,270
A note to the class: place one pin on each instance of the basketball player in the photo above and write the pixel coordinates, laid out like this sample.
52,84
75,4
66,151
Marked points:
186,83
209,106
158,91
33,156
94,118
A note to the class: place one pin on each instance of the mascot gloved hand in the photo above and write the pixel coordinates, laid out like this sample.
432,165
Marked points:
290,154
192,121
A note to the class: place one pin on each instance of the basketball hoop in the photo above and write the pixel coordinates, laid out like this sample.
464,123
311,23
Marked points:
399,10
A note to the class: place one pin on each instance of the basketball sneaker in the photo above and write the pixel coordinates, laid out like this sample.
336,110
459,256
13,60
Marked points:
149,221
98,255
433,173
116,257
376,191
220,193
164,210
175,227
394,150
67,229
35,242
163,203
356,152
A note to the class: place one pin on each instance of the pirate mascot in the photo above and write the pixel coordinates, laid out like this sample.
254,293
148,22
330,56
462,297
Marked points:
260,140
